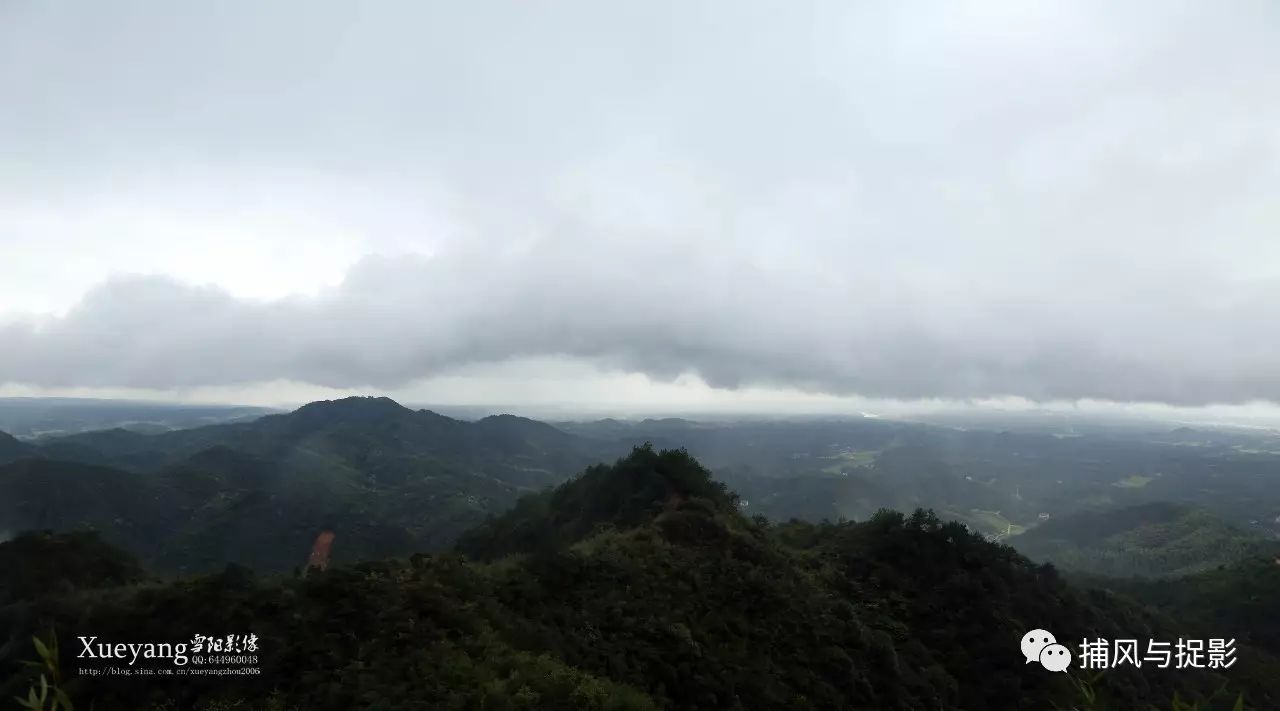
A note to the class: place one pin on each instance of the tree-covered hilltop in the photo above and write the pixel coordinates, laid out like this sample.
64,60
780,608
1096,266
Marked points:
628,493
388,480
1157,539
1240,600
635,586
355,430
36,564
1233,601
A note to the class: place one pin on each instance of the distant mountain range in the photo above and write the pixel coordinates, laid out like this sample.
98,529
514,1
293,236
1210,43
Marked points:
388,480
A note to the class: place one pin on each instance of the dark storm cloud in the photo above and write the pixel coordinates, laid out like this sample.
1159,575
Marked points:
910,200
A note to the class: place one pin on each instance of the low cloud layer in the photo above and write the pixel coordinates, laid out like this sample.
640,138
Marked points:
1052,201
667,312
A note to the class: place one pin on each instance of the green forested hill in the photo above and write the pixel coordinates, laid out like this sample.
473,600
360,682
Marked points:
632,491
391,480
39,564
355,430
388,480
1149,540
1241,600
39,494
636,586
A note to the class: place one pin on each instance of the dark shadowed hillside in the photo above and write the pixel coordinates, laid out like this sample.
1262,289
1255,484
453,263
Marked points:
1238,600
60,564
131,509
645,588
12,449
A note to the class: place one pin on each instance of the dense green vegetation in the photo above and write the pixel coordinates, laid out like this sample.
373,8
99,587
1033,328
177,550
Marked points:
392,481
38,564
1020,467
625,495
644,584
388,480
636,586
1149,540
1232,601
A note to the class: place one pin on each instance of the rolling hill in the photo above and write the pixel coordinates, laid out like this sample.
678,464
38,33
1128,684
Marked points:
388,480
1231,601
636,586
391,480
1157,539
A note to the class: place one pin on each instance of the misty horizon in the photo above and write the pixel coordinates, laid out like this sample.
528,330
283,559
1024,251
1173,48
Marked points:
984,415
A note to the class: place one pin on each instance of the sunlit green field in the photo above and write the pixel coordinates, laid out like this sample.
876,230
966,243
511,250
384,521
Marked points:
994,522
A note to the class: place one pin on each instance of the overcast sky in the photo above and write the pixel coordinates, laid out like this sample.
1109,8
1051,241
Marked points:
738,204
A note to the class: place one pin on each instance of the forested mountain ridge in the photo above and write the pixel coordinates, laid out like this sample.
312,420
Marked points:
990,476
628,493
388,480
645,588
1147,540
58,564
349,427
392,480
1238,600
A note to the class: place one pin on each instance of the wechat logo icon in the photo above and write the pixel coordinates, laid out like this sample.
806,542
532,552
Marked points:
1041,646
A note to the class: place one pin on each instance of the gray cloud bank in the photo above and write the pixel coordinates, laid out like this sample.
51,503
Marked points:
895,199
667,312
